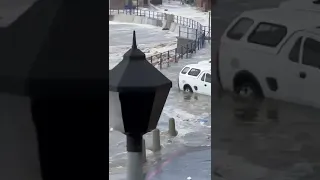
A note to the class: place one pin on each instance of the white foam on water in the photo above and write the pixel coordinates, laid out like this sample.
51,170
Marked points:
174,7
151,40
185,121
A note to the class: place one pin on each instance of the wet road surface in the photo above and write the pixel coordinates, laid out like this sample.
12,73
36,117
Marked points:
187,110
258,140
265,140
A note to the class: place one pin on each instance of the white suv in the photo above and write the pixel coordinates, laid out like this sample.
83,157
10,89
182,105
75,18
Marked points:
272,53
196,78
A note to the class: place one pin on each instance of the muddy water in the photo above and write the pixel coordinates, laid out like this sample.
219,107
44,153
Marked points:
266,139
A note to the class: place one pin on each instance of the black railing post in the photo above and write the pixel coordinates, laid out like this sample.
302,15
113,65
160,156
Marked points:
181,56
191,48
179,32
187,52
151,59
160,61
195,46
175,55
203,38
187,32
196,33
168,58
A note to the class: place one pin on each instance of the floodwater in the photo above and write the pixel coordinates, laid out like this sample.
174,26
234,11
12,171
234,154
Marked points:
192,113
251,140
265,140
150,39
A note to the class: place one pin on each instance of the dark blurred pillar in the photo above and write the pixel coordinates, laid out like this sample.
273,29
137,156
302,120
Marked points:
68,86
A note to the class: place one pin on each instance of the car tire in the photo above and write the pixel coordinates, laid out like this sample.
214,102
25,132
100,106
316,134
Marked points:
187,89
248,90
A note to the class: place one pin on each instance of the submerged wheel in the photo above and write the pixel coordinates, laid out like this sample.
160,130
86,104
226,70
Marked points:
248,90
187,89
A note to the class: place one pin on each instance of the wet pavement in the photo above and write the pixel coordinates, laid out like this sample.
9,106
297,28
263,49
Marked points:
251,140
265,140
188,111
180,167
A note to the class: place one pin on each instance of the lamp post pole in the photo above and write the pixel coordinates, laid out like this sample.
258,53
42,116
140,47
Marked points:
135,164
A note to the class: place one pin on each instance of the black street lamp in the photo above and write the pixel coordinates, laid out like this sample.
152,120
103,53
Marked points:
137,94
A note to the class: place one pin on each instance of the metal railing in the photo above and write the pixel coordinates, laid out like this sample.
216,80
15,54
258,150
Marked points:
138,12
164,59
188,25
188,28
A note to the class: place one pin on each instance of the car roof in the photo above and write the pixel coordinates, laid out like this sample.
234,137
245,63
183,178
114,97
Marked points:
293,19
203,67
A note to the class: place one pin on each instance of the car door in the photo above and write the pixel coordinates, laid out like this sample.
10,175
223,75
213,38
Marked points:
231,48
193,79
310,70
288,66
205,84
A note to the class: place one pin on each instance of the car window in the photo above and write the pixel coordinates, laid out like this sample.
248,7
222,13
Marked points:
295,51
203,76
194,72
240,28
268,34
185,70
208,78
311,53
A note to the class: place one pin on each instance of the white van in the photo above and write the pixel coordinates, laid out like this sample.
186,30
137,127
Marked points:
195,78
272,53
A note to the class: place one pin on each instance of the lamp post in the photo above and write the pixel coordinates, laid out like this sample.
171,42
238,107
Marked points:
137,94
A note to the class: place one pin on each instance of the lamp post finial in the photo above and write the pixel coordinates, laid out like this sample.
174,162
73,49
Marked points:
134,41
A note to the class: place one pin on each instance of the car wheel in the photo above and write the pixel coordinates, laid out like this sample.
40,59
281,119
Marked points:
187,89
248,90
